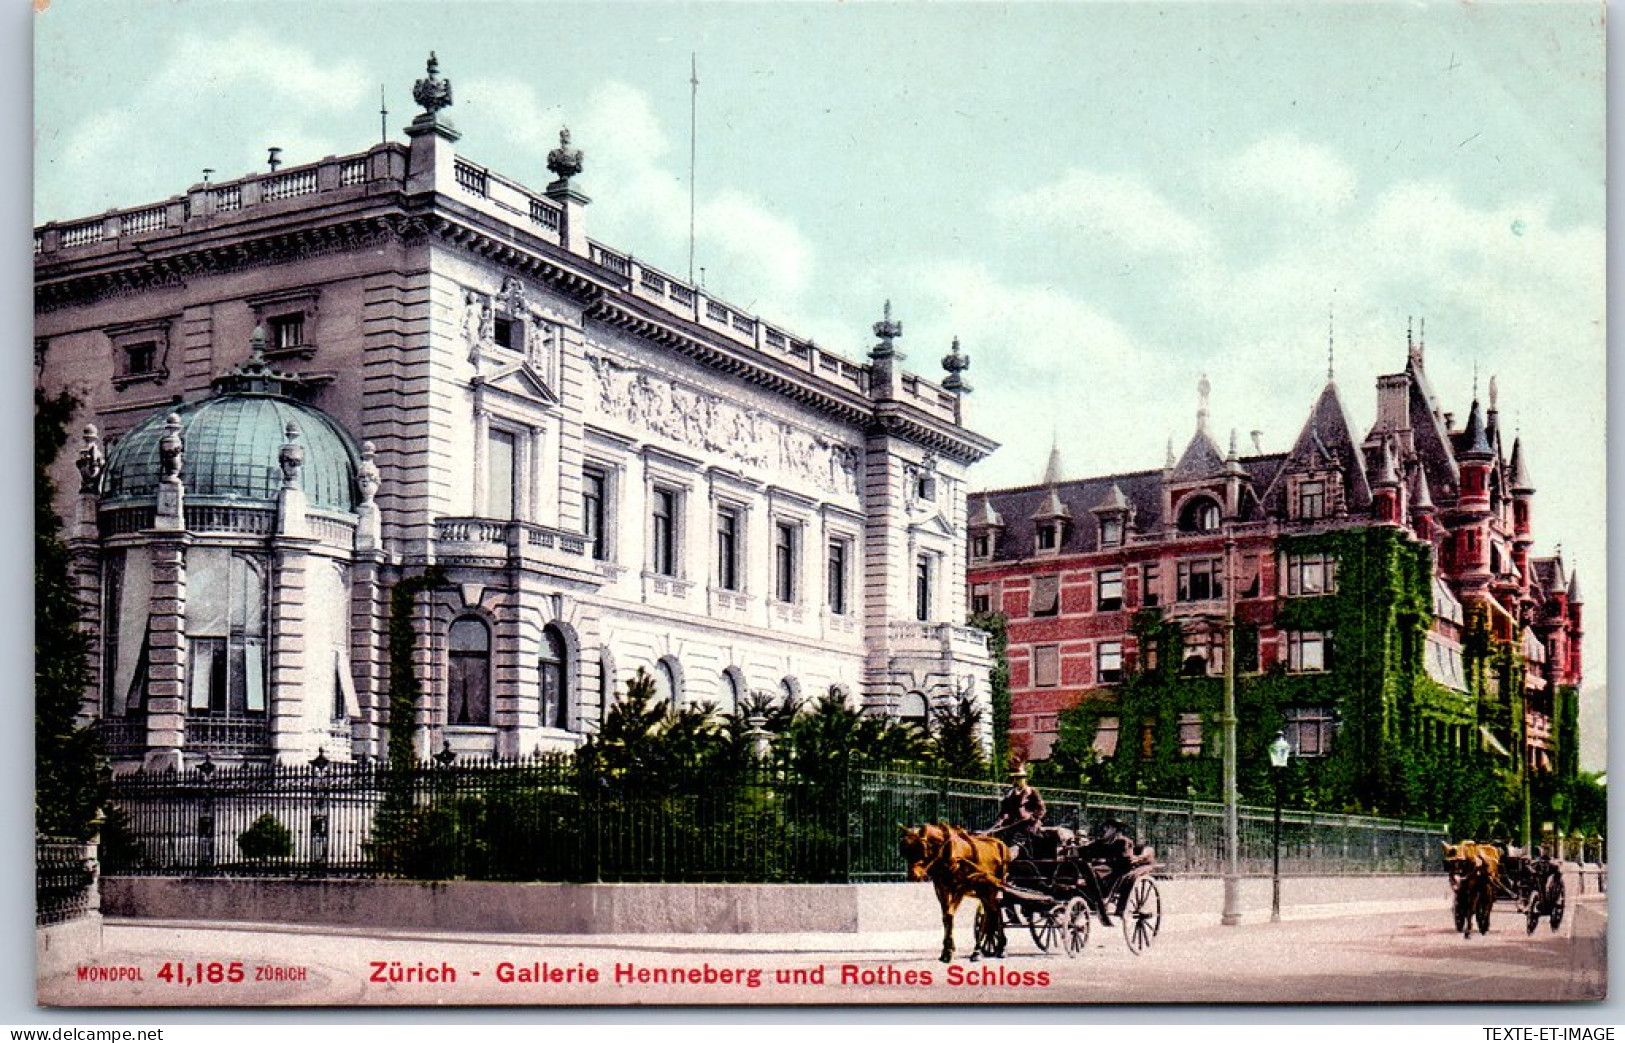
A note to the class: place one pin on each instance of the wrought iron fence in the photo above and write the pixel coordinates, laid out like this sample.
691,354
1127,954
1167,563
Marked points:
532,819
64,880
543,818
1188,835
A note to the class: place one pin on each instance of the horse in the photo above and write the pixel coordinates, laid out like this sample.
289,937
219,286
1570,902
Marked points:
960,864
1475,877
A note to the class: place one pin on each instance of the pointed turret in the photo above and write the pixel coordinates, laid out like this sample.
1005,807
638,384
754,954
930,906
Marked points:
1385,487
1475,441
1521,482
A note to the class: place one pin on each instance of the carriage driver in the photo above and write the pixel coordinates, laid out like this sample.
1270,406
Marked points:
1021,813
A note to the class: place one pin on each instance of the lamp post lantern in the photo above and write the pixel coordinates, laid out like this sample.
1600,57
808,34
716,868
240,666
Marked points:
1280,753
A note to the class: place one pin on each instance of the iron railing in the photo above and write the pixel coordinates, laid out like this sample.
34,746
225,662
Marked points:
544,818
64,880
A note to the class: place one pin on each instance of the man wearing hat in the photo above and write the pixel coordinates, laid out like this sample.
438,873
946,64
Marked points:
1110,845
1021,812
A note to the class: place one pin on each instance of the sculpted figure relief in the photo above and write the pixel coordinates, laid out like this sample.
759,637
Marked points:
708,422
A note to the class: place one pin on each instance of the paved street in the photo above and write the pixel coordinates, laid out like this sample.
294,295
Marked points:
1397,952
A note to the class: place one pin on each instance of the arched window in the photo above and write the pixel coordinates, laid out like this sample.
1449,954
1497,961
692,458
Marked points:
555,675
731,693
913,710
669,680
1199,514
468,673
225,634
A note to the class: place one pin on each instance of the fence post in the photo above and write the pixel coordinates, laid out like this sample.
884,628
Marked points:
205,819
1190,829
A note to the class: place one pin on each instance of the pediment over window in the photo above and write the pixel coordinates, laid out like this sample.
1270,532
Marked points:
521,380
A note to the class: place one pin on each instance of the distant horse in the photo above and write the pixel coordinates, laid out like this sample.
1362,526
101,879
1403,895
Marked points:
1475,877
960,865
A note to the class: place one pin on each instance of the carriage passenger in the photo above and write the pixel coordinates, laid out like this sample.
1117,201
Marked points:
1110,846
1021,813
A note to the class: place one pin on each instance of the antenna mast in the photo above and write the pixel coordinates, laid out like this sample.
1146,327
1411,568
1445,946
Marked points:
693,106
383,117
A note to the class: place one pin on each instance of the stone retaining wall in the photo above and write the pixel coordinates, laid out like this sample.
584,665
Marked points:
538,908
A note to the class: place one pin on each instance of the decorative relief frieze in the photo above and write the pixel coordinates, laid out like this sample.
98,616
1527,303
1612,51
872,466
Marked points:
704,421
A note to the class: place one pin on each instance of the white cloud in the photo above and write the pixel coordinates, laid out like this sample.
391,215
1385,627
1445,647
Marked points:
251,56
1284,170
1116,209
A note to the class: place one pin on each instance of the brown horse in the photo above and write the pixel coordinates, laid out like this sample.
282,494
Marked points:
1475,877
960,865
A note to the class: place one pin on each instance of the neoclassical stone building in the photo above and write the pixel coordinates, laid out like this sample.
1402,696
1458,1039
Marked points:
302,388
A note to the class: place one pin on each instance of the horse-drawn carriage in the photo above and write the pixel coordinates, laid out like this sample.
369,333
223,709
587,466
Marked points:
1055,884
1482,873
1057,897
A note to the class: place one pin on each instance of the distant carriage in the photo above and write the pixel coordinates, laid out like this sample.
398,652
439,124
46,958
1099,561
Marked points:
1482,873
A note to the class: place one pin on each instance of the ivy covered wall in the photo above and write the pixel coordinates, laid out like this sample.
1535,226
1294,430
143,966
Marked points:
1387,708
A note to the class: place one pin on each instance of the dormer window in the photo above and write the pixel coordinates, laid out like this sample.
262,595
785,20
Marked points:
1049,536
1311,500
981,546
1111,531
1200,514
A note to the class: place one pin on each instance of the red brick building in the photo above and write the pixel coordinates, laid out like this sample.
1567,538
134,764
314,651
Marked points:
1484,652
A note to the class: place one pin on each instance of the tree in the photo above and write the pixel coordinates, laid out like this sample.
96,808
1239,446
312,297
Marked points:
69,786
956,739
998,681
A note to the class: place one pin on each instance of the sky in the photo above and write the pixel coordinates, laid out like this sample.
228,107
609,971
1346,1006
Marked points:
1103,202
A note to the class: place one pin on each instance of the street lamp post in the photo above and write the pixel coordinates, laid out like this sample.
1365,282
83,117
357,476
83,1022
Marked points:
1280,753
1231,913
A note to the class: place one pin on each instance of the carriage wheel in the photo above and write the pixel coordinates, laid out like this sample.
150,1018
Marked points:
1077,917
1142,914
1046,927
1532,912
1559,900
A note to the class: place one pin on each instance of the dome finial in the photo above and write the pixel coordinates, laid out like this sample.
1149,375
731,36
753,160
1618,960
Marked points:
172,449
888,330
291,457
1203,388
91,461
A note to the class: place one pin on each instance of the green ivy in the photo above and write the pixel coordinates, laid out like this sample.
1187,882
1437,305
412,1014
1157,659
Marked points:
1376,682
404,687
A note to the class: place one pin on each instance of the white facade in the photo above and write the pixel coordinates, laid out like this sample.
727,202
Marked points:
614,470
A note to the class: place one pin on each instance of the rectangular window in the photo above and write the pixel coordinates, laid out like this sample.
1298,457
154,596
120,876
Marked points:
1046,666
508,333
1151,593
728,548
784,561
837,577
663,554
1307,651
924,566
981,545
1109,661
1311,500
1190,734
1311,574
1105,742
1201,579
981,599
140,358
1309,730
1049,536
1111,531
501,451
1109,590
287,331
594,496
1046,600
